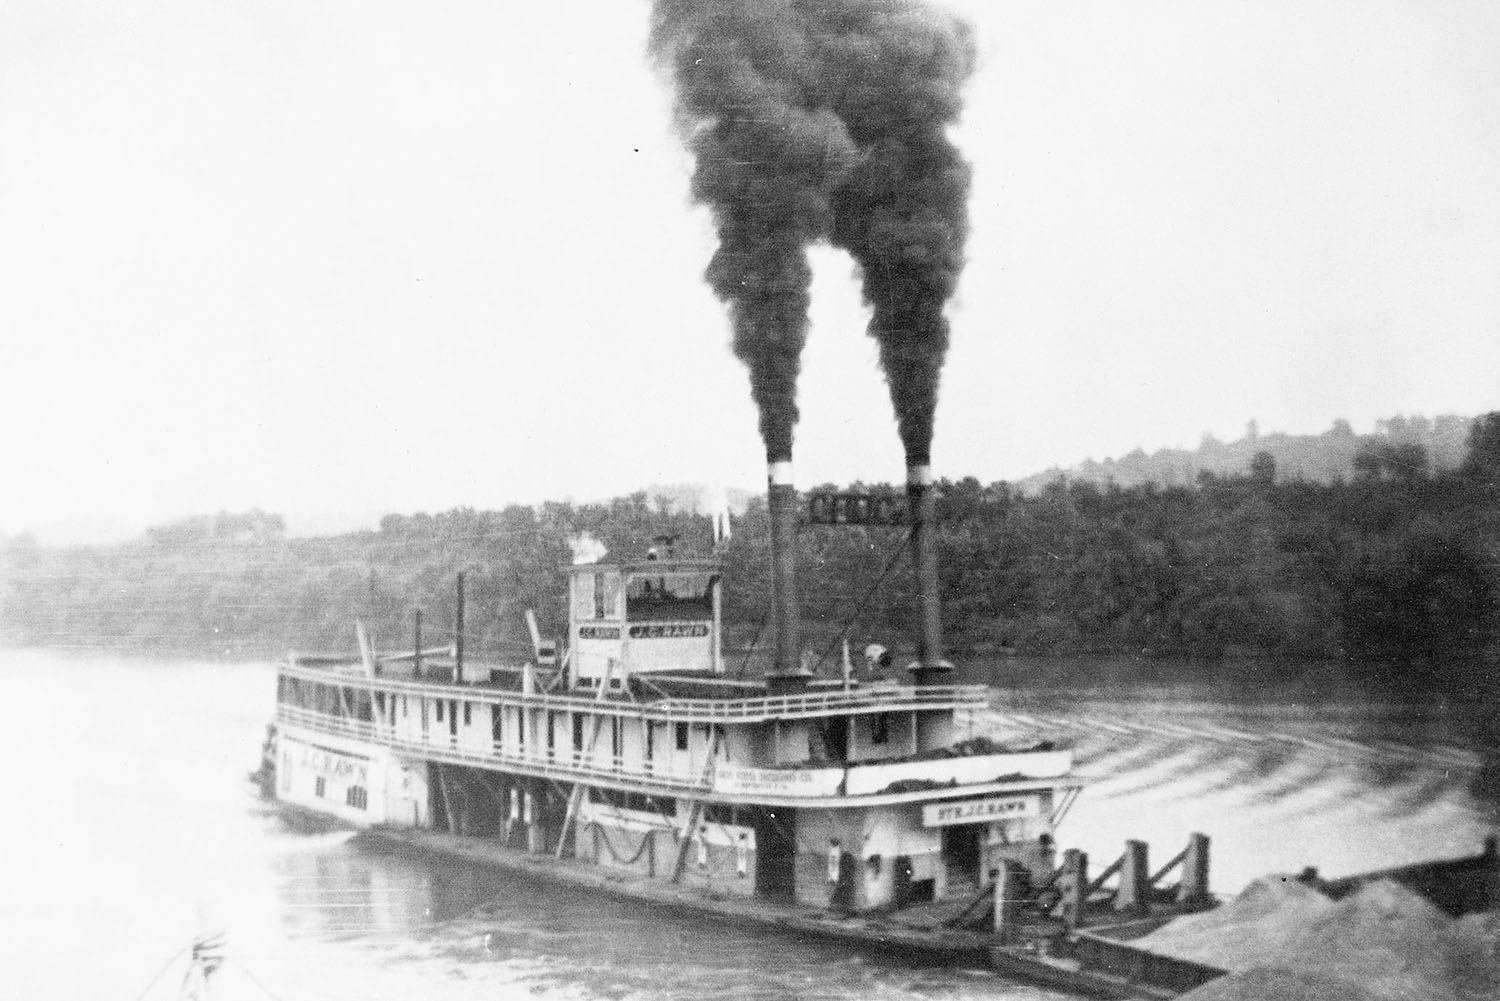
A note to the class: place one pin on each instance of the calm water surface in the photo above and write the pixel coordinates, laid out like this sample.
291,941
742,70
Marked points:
128,822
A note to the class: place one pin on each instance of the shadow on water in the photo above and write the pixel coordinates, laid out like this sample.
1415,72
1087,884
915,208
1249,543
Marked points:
552,940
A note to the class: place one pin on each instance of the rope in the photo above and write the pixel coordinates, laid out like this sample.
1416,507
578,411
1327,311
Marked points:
860,606
750,650
594,825
162,972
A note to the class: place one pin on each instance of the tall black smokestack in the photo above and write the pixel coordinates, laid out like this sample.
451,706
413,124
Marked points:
814,119
781,503
930,665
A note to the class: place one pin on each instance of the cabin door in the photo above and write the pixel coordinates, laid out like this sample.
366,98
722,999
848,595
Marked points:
961,854
775,852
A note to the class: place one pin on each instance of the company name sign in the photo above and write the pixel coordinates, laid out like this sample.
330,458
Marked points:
812,782
979,811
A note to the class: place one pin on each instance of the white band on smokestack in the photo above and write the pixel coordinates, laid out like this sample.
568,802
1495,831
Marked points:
919,476
780,473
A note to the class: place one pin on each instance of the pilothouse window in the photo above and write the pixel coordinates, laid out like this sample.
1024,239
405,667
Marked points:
596,596
669,596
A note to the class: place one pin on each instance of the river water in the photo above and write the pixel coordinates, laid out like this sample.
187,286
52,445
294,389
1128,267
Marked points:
128,825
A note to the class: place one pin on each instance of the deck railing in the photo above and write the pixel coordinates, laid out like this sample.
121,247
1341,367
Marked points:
439,745
815,702
1022,769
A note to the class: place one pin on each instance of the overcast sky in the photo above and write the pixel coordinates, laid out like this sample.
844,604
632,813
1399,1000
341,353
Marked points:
369,256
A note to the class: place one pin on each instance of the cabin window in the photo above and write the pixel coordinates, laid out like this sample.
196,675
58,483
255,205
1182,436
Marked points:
880,728
405,707
357,797
583,595
616,739
468,716
682,736
578,732
320,786
439,710
496,728
551,733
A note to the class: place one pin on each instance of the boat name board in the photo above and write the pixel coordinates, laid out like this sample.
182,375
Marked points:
335,765
811,782
968,811
669,631
598,632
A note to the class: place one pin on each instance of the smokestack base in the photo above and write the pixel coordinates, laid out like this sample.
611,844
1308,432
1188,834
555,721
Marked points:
787,684
935,673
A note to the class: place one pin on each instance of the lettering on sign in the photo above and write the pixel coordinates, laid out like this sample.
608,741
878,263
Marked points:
779,781
669,631
971,811
598,632
332,764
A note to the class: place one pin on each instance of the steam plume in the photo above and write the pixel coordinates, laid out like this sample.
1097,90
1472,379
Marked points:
826,119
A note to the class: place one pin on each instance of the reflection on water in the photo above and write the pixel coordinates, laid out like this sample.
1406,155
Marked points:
129,813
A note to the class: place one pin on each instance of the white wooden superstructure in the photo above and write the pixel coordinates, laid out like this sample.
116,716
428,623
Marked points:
640,753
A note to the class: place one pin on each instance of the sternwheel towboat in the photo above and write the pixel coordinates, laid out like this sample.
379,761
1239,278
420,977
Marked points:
630,759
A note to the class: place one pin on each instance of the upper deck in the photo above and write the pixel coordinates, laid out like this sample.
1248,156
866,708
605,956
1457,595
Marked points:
832,744
661,697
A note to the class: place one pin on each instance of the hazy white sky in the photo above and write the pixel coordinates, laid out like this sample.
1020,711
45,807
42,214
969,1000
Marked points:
364,257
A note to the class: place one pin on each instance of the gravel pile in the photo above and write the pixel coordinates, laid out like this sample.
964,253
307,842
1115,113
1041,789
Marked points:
1282,940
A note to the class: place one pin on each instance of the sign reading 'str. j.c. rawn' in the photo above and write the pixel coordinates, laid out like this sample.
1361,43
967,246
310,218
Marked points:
650,631
969,811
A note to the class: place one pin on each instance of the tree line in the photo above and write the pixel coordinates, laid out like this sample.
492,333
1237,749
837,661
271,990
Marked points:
1394,570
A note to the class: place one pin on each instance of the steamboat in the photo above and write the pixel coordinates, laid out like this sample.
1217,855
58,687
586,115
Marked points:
627,757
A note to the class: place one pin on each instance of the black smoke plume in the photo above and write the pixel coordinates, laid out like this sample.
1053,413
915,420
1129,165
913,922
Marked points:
767,151
900,212
826,119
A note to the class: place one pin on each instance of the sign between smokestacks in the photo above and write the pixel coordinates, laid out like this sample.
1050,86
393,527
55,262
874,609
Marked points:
970,811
